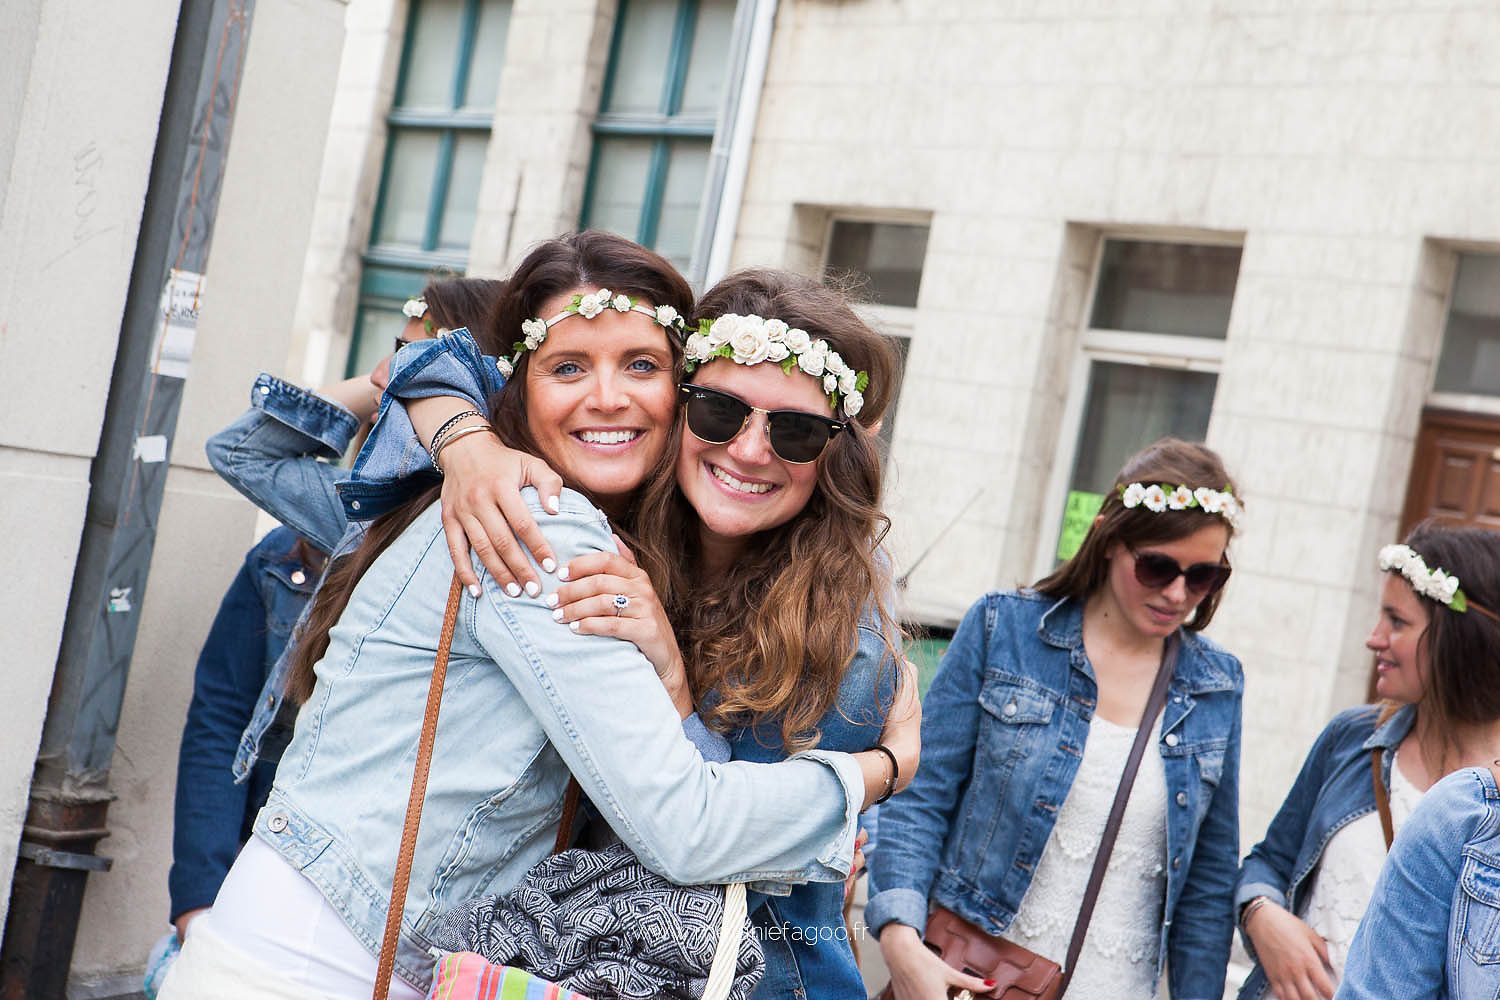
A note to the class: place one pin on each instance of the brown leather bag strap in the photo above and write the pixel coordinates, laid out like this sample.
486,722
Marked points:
418,793
1143,735
1382,799
569,816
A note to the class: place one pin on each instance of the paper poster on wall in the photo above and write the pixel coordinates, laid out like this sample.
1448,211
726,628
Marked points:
1081,509
173,350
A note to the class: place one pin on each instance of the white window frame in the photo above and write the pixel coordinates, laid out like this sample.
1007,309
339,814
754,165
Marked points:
1149,350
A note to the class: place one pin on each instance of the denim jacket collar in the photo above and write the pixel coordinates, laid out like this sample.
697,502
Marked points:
1389,734
1061,625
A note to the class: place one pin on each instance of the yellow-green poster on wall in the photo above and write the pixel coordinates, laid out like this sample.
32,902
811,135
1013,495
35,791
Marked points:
1079,513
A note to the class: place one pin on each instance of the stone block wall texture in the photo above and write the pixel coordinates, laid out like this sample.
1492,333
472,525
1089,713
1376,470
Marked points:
1352,144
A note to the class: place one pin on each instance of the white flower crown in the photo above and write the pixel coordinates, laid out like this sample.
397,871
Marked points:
417,309
749,340
534,331
1159,497
1433,584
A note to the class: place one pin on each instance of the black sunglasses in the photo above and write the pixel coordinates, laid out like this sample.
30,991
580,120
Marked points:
716,417
1157,571
400,343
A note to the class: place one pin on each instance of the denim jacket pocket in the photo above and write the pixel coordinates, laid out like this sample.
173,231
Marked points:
1014,704
1480,898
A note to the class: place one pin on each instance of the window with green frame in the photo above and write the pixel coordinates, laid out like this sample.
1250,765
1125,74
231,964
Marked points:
439,128
667,68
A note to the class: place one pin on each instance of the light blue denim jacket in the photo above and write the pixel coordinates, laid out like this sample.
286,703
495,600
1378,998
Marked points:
1432,929
527,701
274,455
1333,789
1003,731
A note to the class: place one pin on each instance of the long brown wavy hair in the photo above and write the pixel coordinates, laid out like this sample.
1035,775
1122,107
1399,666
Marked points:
551,268
1462,649
1169,461
773,638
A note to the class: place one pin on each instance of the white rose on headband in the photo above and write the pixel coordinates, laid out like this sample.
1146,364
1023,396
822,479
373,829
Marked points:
777,351
830,383
666,315
834,363
591,305
776,330
811,362
797,341
750,344
848,381
506,368
697,347
621,303
533,332
854,401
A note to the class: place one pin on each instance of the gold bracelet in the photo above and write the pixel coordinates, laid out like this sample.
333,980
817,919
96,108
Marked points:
474,428
1249,910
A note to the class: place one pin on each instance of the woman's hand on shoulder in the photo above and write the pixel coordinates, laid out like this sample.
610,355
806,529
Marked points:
588,603
903,726
917,973
483,508
1293,955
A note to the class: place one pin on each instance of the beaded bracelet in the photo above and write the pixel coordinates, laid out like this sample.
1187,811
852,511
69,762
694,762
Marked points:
471,429
448,425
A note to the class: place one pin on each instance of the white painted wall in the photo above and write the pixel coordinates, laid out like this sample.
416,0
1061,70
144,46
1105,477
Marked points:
1340,137
80,95
259,245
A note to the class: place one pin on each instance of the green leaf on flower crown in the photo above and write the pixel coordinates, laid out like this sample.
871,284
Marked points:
833,401
1459,602
862,381
577,301
518,347
788,363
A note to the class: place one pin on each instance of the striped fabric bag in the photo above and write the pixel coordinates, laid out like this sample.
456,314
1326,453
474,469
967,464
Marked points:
464,975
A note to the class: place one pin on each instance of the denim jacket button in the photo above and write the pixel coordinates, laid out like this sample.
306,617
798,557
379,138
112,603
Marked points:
1182,798
276,823
1176,863
270,700
354,504
1010,709
1171,739
265,390
299,577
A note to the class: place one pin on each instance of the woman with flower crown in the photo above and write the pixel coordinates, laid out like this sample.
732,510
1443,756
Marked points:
763,560
1304,889
1035,708
527,701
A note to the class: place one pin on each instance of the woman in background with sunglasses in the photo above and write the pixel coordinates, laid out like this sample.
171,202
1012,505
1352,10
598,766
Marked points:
1304,889
1028,723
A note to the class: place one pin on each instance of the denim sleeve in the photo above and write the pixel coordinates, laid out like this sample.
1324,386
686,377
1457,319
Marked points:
450,365
1402,943
1268,868
713,747
914,825
689,820
1203,925
274,453
209,812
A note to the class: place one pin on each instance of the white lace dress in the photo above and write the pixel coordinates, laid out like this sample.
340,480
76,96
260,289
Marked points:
1346,874
1120,950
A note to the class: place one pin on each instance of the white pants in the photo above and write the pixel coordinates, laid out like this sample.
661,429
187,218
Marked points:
211,966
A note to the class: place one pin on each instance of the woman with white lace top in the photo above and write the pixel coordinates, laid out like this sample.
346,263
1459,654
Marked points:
1304,889
1026,730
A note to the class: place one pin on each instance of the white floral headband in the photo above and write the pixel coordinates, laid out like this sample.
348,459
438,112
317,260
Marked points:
1433,584
417,309
1161,497
749,340
534,331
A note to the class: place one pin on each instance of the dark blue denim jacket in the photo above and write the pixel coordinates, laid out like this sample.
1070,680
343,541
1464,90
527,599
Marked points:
273,455
214,813
803,934
1333,789
1432,931
1003,730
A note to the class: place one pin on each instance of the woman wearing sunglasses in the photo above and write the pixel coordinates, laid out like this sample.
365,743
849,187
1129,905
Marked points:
1304,888
1028,723
763,548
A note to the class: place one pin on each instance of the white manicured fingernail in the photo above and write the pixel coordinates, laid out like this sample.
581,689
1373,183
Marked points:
553,504
572,625
562,574
512,589
551,600
549,565
557,615
474,590
533,588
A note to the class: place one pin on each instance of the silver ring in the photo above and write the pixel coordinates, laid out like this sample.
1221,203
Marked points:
621,602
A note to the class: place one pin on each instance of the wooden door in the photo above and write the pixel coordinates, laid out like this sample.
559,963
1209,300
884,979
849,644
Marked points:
1455,476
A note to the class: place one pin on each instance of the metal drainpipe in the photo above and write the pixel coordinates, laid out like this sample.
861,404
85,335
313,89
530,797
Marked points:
70,796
